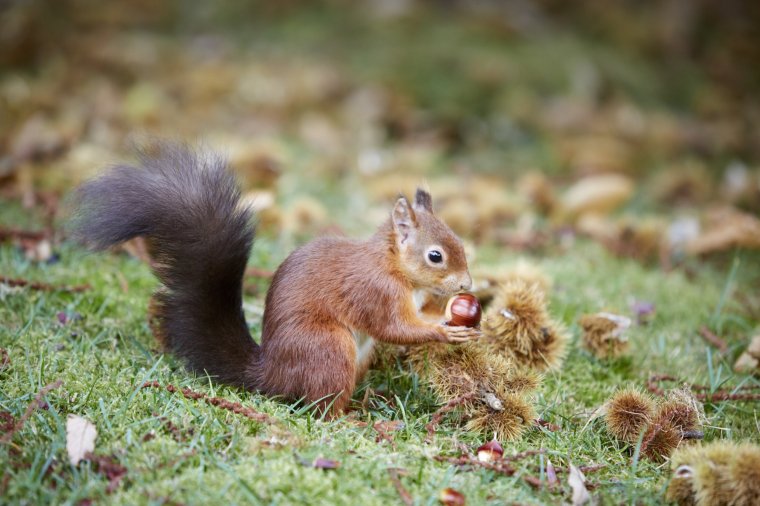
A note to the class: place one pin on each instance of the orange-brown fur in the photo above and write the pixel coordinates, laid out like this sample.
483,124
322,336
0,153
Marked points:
188,205
332,287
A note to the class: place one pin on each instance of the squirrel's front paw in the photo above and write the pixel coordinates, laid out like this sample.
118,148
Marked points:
455,335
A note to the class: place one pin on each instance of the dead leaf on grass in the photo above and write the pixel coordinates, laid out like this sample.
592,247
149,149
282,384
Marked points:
80,438
577,482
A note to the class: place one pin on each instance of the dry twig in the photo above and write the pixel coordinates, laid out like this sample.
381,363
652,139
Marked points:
403,493
5,359
36,403
255,272
449,406
501,466
704,393
20,234
713,339
45,287
234,407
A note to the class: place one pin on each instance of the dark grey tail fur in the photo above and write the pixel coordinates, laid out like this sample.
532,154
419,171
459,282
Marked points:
187,204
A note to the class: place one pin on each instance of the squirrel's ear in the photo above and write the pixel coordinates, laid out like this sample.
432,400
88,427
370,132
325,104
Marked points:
404,221
423,201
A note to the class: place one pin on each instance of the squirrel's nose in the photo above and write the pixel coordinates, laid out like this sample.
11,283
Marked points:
466,284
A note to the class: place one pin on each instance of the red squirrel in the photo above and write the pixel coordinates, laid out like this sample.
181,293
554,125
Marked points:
324,298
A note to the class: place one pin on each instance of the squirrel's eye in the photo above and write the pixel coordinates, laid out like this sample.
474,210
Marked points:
435,256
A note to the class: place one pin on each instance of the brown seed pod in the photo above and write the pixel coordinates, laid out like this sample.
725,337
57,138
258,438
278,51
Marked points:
682,411
517,312
490,451
519,381
453,371
628,412
451,497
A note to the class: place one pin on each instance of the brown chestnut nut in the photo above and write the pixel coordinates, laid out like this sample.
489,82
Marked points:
463,310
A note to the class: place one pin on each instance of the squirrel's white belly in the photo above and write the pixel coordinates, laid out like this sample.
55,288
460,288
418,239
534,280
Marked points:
419,297
364,346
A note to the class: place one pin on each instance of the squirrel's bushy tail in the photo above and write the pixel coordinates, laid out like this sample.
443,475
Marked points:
187,205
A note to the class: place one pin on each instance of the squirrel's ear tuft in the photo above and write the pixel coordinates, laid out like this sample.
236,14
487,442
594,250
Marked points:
404,220
423,200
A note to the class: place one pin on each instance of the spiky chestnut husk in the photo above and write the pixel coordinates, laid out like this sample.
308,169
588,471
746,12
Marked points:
628,412
659,441
549,350
680,489
722,472
711,480
487,284
518,381
518,312
453,371
603,334
517,325
509,423
681,415
449,369
744,471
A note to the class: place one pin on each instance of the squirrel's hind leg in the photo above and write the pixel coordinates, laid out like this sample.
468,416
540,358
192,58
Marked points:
320,369
333,379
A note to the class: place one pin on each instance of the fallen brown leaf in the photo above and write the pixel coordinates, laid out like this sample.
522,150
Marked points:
384,428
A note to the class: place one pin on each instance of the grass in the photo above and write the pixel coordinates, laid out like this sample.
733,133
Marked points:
105,352
485,87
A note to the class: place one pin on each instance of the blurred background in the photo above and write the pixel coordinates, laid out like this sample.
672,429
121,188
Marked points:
634,123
